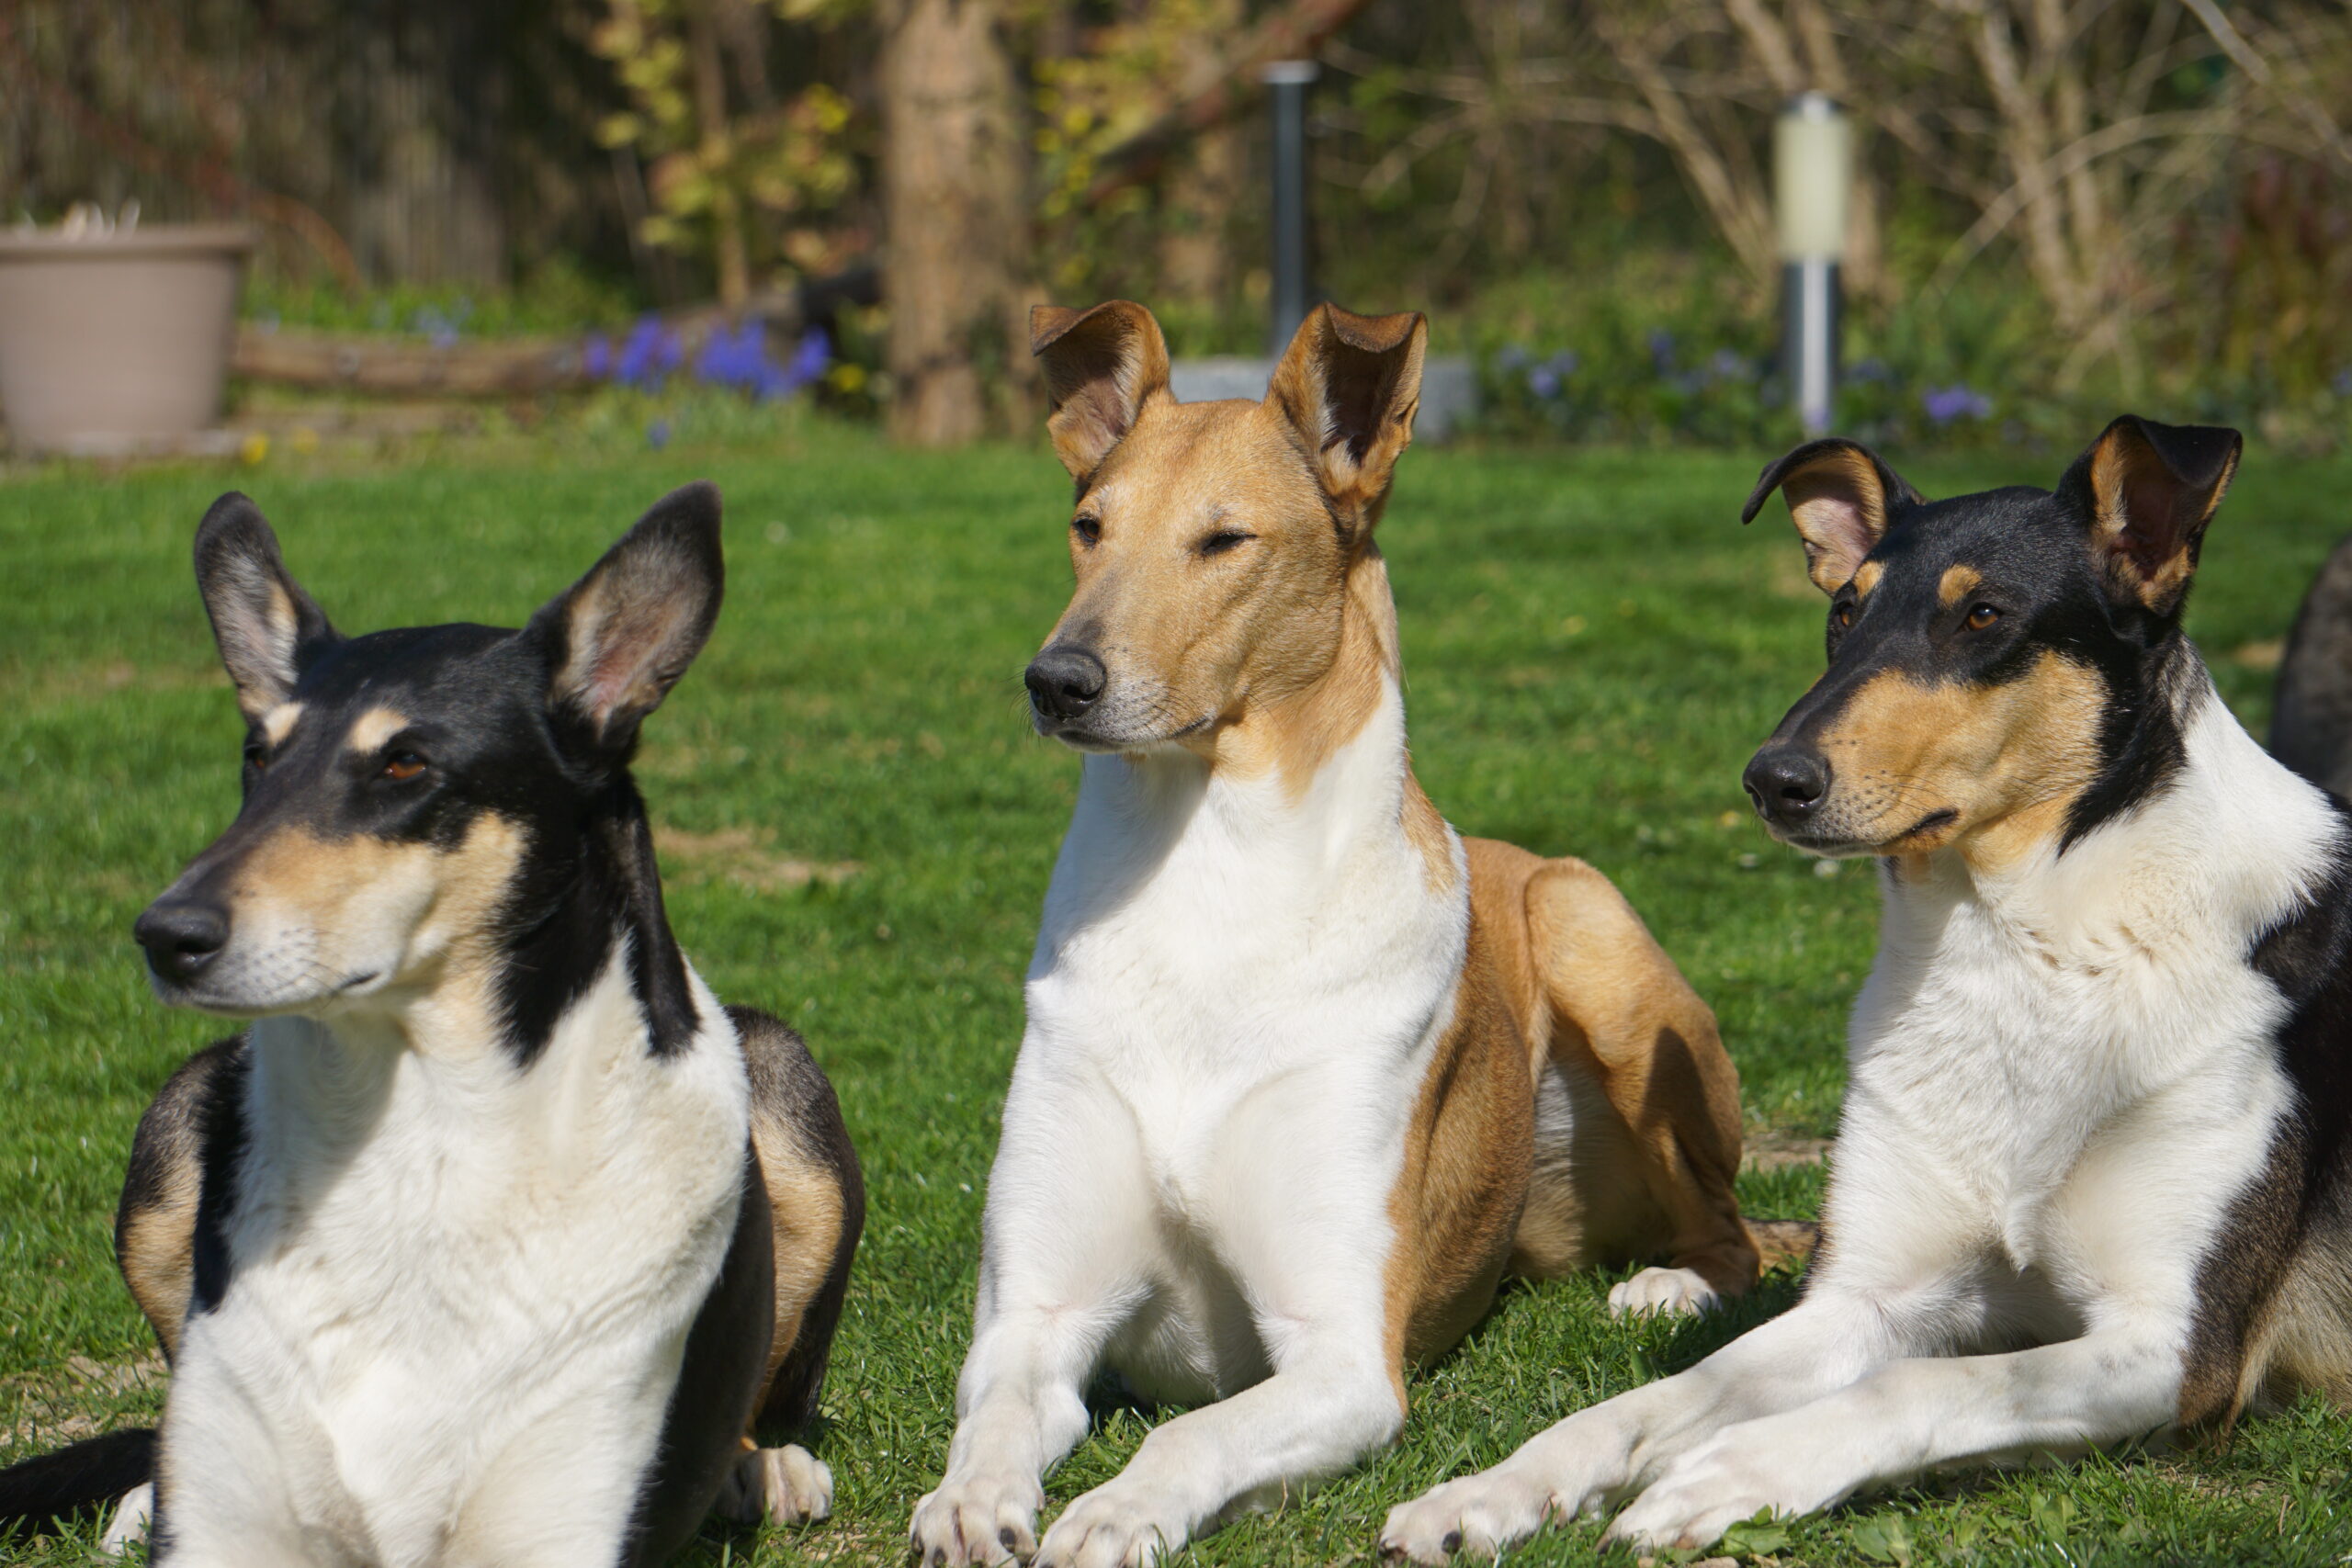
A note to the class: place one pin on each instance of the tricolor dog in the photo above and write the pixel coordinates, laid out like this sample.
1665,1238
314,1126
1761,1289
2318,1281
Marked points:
1304,1072
493,1234
2093,1180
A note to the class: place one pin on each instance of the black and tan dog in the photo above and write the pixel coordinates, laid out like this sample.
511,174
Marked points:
2093,1178
492,1236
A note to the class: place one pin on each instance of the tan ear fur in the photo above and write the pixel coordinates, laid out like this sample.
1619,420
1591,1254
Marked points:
1349,386
2152,489
1840,498
1102,366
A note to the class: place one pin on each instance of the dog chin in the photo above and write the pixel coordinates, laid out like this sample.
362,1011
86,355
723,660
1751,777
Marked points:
1929,832
238,1002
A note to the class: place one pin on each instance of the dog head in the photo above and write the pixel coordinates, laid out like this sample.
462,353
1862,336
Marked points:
415,800
1213,542
1998,663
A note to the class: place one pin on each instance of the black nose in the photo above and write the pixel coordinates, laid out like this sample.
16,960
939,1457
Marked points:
1787,782
1064,681
181,936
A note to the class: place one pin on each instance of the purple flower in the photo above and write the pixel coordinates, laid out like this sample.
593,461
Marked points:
1543,381
1945,404
2343,382
812,358
657,434
1730,364
596,356
1512,356
1661,349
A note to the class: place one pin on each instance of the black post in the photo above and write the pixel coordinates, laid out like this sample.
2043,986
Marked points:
1294,253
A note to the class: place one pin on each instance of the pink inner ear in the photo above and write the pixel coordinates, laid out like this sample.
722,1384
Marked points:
626,642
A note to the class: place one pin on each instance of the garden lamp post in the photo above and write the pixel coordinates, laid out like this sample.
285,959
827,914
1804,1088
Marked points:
1812,177
1288,81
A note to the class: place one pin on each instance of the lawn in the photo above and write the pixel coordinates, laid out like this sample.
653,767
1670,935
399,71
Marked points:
1594,647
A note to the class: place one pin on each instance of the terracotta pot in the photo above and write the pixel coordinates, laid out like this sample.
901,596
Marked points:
116,340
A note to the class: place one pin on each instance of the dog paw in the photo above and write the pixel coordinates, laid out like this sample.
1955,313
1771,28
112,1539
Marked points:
1479,1515
132,1517
788,1486
1670,1292
1114,1525
1704,1493
977,1520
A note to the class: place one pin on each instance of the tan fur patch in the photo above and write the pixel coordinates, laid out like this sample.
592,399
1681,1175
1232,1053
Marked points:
1459,1194
1657,1098
278,722
1957,584
2007,760
1867,577
805,1199
374,728
155,1247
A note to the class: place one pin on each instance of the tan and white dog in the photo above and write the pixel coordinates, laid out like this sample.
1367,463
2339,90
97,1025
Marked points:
1304,1072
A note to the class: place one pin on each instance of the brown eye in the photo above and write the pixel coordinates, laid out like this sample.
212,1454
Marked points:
1982,615
403,766
256,759
1088,529
1217,543
1845,616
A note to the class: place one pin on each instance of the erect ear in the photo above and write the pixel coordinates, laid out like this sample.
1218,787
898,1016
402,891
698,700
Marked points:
1350,385
266,627
2149,490
618,639
1841,497
1102,366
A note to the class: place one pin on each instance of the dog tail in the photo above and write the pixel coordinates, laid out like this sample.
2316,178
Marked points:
39,1492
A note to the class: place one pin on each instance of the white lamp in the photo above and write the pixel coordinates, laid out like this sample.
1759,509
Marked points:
1813,180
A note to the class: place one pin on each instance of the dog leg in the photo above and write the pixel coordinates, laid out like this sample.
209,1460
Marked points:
132,1518
1619,1003
1598,1455
1062,1266
1908,1417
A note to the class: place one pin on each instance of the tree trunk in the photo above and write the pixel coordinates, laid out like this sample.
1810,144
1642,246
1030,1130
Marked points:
957,227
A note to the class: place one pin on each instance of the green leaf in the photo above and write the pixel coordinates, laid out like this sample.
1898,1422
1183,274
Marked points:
1757,1537
1883,1539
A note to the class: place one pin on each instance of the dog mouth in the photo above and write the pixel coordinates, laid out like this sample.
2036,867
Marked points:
218,1003
1917,838
1080,735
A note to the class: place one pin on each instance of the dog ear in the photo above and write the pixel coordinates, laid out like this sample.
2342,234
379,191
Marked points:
1841,497
1351,385
2148,490
1102,366
618,640
267,628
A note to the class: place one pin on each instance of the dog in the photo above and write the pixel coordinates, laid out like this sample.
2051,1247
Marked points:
493,1234
2092,1180
2311,715
1304,1072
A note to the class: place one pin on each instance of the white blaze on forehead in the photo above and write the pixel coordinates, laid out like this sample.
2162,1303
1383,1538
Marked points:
375,726
278,722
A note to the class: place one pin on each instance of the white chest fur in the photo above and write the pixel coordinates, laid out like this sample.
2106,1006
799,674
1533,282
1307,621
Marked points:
2018,1029
1235,993
461,1292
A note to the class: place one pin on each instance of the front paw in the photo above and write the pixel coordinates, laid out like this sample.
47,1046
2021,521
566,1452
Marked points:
1477,1513
1670,1292
1114,1525
1704,1493
977,1520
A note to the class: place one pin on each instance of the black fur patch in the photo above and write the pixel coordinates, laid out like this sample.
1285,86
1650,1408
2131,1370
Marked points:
220,1119
2306,1188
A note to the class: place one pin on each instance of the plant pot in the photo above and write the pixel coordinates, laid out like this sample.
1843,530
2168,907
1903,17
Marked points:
117,342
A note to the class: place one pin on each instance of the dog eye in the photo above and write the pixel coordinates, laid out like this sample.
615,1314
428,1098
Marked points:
255,757
1982,615
403,766
1844,616
1219,543
1088,529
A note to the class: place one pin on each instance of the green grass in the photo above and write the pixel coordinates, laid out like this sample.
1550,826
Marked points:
1594,647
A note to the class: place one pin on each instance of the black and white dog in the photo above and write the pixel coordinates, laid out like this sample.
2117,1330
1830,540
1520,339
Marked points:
493,1235
2092,1180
